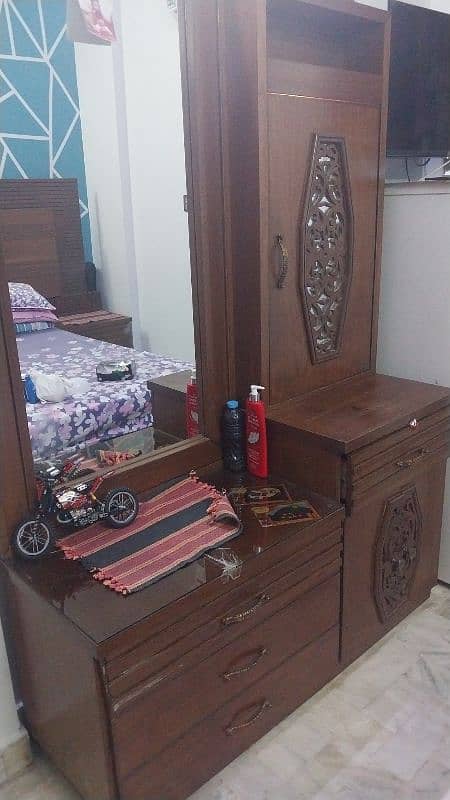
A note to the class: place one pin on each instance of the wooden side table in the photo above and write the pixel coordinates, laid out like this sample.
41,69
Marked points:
103,325
169,403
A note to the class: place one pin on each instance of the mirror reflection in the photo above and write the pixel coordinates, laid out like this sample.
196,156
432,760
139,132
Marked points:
98,267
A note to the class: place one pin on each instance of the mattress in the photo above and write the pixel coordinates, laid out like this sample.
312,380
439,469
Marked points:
107,410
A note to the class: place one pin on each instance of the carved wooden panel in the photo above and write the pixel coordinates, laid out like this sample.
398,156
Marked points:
326,247
397,552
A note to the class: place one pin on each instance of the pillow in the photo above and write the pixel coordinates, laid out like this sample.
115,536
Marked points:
30,327
23,296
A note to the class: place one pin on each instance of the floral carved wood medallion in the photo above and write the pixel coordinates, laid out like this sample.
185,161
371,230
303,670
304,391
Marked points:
326,249
397,551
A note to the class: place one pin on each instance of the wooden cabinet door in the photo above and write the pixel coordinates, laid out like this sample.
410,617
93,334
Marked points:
391,553
323,173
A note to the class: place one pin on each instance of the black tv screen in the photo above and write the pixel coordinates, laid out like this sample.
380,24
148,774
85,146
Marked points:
419,91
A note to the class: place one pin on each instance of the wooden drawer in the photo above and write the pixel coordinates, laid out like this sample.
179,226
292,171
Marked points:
217,740
414,433
399,453
254,598
179,704
392,540
236,619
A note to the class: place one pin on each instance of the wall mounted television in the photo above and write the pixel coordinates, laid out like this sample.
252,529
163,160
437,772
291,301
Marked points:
419,93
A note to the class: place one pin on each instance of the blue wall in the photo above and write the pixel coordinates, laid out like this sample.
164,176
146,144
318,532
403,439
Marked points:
40,130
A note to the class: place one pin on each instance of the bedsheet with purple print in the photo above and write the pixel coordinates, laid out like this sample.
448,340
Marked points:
107,410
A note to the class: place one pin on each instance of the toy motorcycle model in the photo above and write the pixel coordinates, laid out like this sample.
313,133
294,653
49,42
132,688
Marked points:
77,507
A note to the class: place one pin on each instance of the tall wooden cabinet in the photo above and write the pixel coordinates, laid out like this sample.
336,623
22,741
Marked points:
303,128
303,93
322,221
324,104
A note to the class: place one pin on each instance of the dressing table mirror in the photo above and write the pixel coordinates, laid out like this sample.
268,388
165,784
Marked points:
139,208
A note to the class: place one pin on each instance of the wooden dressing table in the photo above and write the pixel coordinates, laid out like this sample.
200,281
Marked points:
146,697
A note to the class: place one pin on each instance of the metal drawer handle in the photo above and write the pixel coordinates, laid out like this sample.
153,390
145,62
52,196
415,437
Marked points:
266,706
284,261
408,462
242,616
121,703
240,671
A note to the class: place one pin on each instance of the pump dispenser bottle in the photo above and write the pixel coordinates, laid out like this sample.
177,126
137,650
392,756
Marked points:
233,432
256,433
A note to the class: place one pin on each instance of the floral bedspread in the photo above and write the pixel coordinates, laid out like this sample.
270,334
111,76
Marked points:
107,410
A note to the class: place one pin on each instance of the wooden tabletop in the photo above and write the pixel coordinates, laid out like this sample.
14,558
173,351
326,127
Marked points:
351,414
101,613
177,381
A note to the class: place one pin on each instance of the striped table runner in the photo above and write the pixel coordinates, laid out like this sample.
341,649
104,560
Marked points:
172,529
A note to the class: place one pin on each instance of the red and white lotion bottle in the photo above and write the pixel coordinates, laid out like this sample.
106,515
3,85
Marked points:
256,433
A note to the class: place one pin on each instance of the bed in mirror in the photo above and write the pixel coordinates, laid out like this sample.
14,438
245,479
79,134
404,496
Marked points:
106,332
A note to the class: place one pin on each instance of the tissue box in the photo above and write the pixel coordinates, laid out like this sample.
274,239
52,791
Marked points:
116,370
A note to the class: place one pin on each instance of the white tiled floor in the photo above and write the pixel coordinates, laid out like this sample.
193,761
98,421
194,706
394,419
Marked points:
379,731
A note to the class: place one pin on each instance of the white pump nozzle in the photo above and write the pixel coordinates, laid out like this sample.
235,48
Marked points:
254,392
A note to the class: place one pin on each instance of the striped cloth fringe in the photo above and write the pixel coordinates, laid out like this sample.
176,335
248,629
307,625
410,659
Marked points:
172,529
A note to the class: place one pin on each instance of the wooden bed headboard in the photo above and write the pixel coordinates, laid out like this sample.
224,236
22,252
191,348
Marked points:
41,238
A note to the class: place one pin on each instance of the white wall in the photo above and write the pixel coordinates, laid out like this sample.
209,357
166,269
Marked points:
377,3
156,150
9,721
134,151
414,335
414,328
101,150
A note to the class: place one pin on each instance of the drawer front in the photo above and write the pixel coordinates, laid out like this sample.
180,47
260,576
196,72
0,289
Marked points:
392,543
183,702
373,464
408,436
216,741
254,599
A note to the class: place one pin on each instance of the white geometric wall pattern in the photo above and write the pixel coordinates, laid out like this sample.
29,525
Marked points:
40,129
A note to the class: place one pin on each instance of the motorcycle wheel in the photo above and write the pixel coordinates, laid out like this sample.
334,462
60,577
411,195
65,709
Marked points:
121,507
33,539
64,518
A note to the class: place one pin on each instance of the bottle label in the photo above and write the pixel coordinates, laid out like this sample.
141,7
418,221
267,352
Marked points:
192,416
253,437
